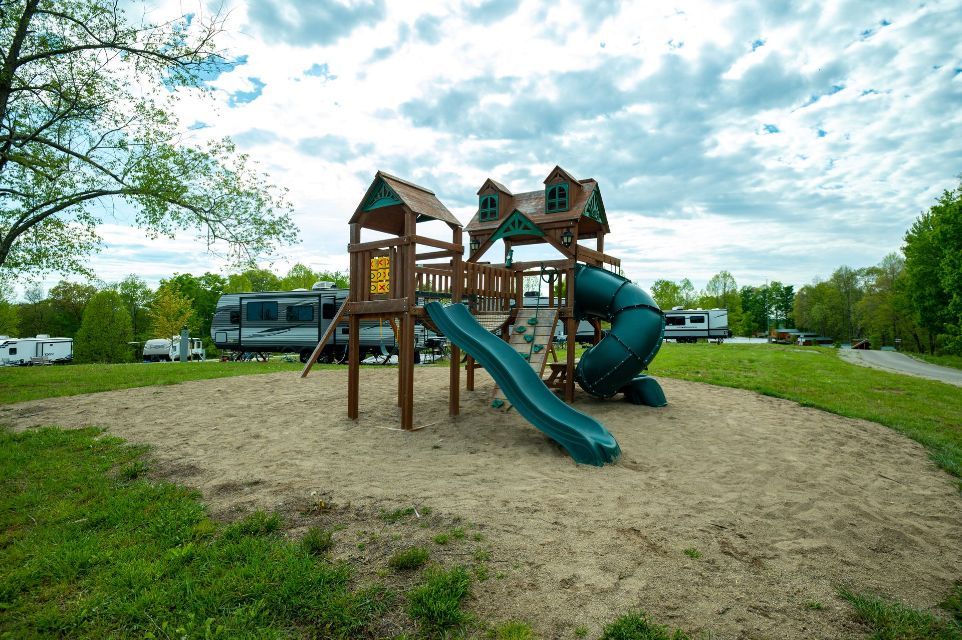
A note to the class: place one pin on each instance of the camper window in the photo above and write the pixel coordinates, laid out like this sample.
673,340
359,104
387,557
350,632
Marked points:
300,313
235,317
261,311
697,319
674,321
327,311
13,351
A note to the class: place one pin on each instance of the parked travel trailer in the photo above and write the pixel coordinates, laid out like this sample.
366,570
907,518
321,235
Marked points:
687,325
294,322
168,349
39,350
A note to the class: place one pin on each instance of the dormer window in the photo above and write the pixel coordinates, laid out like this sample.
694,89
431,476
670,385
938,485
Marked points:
488,208
556,198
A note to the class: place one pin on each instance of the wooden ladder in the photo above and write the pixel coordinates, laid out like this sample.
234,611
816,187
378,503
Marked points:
540,332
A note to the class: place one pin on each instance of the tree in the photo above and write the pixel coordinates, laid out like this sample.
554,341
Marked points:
666,293
299,277
170,312
105,330
67,302
203,293
137,297
86,119
687,292
9,318
252,280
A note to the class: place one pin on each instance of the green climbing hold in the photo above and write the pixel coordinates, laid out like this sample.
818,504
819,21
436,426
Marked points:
520,329
532,321
497,403
525,355
529,338
538,347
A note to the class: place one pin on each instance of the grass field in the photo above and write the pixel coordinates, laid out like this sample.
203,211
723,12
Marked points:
946,361
927,411
18,384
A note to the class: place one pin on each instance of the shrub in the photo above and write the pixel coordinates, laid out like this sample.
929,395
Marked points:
104,331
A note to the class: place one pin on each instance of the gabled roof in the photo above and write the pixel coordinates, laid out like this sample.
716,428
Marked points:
571,179
497,186
418,199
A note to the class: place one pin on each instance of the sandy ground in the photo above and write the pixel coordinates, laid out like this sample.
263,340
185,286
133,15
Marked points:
783,502
895,362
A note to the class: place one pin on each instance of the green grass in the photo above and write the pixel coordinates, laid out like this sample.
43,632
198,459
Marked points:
891,620
692,553
409,559
638,626
436,603
946,361
18,384
318,541
512,631
86,552
924,410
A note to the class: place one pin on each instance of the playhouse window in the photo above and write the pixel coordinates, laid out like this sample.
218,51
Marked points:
300,313
556,198
488,208
261,311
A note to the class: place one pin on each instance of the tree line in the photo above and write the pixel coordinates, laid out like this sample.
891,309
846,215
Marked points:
911,300
105,318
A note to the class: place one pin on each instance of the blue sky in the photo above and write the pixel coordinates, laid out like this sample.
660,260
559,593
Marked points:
775,139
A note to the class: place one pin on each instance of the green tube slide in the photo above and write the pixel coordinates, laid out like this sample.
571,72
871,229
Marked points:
637,329
583,437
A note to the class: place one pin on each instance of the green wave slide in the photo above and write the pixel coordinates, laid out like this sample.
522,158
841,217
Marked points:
627,348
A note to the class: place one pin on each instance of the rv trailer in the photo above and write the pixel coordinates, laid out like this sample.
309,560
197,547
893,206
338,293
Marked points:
294,322
168,349
585,333
687,325
39,350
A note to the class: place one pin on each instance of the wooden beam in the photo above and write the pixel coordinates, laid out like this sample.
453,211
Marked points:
432,255
327,336
548,264
378,307
387,243
438,244
353,367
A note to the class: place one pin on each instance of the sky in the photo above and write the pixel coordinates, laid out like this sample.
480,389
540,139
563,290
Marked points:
777,140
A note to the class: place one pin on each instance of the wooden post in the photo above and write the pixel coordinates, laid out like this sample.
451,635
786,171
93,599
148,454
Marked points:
408,267
454,376
353,366
572,326
469,379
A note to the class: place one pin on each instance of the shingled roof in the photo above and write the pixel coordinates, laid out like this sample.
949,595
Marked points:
418,199
532,205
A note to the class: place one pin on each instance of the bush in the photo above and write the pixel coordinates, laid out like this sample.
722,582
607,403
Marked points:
104,331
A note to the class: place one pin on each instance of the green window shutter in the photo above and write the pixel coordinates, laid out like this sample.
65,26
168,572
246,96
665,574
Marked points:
488,208
381,196
556,198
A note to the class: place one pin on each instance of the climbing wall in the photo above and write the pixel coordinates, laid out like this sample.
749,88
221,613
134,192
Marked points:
531,337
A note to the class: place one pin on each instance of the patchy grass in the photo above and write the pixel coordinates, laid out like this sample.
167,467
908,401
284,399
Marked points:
409,559
32,383
692,553
436,603
86,552
512,631
924,410
637,626
945,361
891,620
318,541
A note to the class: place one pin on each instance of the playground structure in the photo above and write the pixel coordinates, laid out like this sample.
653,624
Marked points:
394,280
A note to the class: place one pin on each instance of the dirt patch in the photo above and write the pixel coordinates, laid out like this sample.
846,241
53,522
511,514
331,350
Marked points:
782,502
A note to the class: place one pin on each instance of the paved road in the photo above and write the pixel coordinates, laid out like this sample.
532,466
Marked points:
901,363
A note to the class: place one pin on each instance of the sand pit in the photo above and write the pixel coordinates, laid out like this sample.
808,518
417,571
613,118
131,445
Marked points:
783,502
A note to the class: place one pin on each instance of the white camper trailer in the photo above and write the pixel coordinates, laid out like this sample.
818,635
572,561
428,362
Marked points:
687,325
168,350
39,350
